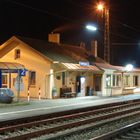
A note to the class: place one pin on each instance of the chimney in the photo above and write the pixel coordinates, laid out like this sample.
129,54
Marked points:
54,37
94,47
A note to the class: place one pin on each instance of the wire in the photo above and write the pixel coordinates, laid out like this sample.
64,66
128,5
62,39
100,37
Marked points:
68,19
126,25
40,10
88,6
124,44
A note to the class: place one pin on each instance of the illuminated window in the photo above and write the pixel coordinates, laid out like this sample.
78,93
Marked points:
32,78
4,80
135,80
108,80
17,53
127,80
116,80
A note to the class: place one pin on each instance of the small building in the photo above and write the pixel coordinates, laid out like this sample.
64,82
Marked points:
51,66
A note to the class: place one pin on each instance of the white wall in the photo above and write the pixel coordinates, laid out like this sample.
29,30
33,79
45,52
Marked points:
34,62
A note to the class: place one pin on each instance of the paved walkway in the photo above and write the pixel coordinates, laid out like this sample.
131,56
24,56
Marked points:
37,107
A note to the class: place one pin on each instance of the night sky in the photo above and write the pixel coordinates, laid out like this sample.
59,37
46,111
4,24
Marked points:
35,19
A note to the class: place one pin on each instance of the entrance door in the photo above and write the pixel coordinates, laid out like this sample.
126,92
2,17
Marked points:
97,82
80,87
82,79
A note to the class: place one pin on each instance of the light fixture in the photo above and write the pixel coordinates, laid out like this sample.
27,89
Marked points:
129,67
91,28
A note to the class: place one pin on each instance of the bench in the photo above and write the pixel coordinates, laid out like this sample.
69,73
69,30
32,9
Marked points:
128,90
70,94
66,92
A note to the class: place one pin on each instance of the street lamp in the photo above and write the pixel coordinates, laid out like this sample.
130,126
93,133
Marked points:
100,6
91,27
129,67
104,8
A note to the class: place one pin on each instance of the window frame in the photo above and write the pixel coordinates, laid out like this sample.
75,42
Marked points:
63,78
32,82
116,80
17,53
108,80
127,81
5,85
134,82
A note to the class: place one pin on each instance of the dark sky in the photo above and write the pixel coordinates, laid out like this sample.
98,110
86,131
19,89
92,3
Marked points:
37,18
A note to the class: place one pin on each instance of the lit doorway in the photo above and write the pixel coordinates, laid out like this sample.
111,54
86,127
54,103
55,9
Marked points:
80,87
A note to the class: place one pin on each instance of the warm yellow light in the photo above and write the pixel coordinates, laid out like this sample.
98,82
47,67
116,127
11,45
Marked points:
100,7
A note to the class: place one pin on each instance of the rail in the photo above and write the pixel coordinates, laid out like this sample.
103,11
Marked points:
70,121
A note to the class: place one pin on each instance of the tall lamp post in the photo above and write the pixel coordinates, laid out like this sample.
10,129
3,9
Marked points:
104,8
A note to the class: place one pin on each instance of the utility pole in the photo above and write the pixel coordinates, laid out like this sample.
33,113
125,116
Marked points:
106,33
103,7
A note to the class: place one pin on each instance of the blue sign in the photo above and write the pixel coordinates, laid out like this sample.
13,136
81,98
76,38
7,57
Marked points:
82,63
22,72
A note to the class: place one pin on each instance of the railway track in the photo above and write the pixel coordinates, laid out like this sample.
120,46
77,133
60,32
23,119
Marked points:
129,132
54,125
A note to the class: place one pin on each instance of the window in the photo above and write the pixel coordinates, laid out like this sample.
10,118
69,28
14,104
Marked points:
4,80
127,80
32,78
17,53
135,80
116,80
108,80
63,78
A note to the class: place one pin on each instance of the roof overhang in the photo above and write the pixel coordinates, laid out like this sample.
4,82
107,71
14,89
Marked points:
10,67
78,67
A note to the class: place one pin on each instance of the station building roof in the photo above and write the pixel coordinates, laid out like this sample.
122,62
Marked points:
9,66
78,67
56,52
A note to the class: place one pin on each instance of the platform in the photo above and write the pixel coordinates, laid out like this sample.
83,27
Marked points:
46,106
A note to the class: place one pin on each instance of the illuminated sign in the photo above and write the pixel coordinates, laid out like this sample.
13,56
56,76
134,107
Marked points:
22,72
82,63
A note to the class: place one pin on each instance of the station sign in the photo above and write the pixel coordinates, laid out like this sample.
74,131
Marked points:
22,72
84,63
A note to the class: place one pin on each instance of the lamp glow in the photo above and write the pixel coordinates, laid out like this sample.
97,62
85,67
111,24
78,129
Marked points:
100,6
90,27
129,67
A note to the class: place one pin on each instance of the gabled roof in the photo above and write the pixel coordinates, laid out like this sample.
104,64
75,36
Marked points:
55,51
52,51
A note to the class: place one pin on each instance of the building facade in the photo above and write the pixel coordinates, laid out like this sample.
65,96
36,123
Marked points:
52,66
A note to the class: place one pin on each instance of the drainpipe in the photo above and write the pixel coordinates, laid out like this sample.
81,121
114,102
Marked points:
0,79
18,92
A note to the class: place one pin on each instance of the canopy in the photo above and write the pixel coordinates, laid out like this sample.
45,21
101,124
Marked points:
10,67
78,67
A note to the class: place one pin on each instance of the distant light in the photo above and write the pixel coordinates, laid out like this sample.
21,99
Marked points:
100,6
90,27
55,62
129,67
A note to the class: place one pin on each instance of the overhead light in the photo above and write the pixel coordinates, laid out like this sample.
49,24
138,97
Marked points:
129,67
91,28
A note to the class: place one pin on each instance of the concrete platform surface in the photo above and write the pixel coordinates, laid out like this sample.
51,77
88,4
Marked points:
46,106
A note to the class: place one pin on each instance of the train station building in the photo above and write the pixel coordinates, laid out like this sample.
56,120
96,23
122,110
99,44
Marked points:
55,70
